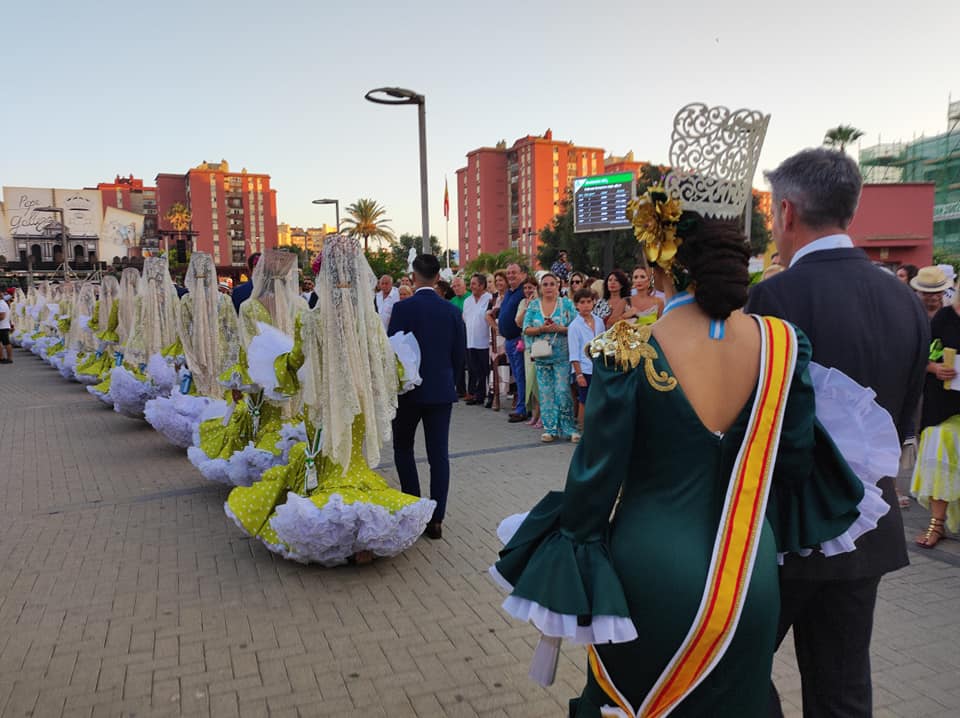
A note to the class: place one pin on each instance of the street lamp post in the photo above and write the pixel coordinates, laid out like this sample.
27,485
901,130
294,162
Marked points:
400,96
63,234
336,207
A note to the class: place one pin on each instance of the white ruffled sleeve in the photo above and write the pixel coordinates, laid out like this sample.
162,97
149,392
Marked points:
407,349
864,433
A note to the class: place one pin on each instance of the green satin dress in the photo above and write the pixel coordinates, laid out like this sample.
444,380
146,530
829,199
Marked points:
650,561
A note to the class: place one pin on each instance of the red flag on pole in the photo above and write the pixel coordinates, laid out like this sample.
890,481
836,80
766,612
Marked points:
446,200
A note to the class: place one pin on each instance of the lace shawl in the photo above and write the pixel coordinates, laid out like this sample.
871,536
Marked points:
155,326
207,325
349,367
129,285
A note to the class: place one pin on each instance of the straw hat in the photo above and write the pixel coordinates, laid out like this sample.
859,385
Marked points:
930,280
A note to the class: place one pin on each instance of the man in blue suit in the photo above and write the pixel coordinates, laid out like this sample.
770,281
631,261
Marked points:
440,332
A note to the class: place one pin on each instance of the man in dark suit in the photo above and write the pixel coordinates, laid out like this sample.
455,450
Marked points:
870,326
439,330
241,292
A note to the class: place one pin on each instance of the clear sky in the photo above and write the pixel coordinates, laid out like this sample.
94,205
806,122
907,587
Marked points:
94,89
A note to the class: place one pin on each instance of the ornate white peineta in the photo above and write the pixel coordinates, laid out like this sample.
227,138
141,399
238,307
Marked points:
714,153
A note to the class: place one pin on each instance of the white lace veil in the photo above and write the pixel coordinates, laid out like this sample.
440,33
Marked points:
276,286
129,284
109,290
349,367
80,315
207,325
155,326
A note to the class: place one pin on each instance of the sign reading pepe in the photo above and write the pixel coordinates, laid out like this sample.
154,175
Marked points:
19,205
82,209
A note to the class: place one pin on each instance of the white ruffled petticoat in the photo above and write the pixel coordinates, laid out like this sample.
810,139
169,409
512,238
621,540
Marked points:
67,364
247,465
332,534
130,395
177,416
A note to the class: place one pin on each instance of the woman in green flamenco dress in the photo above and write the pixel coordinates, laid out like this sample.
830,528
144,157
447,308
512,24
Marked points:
116,334
58,321
327,505
144,372
209,340
256,431
702,460
103,327
79,340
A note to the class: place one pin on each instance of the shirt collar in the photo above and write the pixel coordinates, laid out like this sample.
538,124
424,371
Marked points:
426,289
831,241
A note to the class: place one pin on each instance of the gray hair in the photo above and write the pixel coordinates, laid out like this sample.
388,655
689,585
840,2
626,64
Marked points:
824,186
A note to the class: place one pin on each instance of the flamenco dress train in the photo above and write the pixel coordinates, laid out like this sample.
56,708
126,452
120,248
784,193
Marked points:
348,511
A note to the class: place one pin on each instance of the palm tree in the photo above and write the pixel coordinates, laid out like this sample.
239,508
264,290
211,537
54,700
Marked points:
366,218
179,218
841,135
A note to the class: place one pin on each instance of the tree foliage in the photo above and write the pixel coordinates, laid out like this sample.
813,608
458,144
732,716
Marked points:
179,216
367,218
488,262
393,260
759,232
840,136
595,253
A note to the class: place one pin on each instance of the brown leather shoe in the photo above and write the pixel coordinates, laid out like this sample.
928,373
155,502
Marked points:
434,530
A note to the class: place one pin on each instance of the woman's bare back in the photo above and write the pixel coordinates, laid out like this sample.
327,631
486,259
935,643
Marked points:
717,377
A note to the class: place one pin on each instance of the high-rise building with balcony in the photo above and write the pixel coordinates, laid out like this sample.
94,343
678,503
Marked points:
233,214
505,196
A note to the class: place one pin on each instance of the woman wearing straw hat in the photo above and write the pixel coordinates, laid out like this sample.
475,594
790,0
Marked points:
936,477
930,285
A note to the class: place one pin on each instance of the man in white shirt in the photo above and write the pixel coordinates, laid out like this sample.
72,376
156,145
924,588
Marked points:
478,339
5,333
386,296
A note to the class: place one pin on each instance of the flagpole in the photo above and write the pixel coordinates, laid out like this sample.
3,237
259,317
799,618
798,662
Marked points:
446,216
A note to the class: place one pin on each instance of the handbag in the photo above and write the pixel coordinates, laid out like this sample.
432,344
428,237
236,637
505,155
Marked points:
541,349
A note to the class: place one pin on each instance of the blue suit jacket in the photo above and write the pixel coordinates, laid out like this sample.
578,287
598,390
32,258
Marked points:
241,293
440,332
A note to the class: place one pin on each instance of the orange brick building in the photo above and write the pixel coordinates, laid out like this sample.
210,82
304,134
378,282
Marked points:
233,214
505,196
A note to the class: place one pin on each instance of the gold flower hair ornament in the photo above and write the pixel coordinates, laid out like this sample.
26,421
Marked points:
655,216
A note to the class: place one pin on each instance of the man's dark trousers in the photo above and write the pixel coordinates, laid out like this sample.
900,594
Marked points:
436,430
478,367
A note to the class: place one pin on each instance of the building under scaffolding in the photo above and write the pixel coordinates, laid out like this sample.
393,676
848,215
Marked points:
928,159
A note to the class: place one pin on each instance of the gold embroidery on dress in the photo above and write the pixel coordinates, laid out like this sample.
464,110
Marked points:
626,345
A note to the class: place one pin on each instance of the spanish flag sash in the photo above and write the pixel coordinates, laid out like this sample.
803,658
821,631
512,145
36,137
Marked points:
738,538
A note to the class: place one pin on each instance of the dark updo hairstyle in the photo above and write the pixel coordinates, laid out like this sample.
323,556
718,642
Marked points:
715,255
624,283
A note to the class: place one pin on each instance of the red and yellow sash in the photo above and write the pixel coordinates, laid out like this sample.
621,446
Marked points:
738,538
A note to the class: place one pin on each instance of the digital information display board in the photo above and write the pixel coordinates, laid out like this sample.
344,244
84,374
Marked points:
600,203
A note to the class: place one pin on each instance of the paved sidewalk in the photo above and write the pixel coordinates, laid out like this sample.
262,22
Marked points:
125,591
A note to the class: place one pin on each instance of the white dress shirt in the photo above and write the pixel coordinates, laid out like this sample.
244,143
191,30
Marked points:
475,319
579,335
384,305
831,241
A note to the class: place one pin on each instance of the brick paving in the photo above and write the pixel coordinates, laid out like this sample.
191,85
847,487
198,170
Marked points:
125,591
